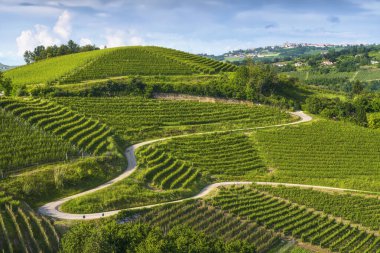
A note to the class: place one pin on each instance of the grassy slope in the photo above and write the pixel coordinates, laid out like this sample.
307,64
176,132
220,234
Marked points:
41,184
50,69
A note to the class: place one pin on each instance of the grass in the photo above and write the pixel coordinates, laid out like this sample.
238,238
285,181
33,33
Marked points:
50,182
130,192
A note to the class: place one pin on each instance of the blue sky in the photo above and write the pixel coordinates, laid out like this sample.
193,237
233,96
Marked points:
197,26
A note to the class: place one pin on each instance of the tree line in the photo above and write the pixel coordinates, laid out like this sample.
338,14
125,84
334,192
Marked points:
42,52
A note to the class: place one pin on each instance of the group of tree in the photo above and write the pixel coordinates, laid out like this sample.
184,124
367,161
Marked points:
42,52
111,236
355,109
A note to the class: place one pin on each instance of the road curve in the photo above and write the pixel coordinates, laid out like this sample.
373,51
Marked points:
52,209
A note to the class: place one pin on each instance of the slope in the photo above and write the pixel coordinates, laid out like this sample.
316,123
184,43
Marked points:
113,62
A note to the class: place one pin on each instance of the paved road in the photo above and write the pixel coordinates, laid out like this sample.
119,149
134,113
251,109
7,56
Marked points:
52,209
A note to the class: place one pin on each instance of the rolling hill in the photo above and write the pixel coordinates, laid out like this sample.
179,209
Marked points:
123,61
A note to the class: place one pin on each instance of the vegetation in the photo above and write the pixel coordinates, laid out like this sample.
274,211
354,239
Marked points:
115,62
111,236
41,53
358,209
203,217
166,172
136,118
88,135
44,183
322,153
294,220
23,145
22,230
221,156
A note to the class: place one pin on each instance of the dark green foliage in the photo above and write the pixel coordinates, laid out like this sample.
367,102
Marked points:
41,53
110,236
337,109
5,84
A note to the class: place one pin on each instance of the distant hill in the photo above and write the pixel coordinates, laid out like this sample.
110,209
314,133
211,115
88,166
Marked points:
5,67
113,62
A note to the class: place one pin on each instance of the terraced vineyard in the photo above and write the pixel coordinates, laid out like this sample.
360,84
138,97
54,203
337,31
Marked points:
112,62
323,153
224,156
23,145
22,230
137,119
86,134
294,220
166,172
201,216
360,209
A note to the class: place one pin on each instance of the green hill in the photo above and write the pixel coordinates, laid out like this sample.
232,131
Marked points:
113,62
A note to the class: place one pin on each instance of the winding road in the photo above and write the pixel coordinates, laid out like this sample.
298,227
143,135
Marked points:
52,209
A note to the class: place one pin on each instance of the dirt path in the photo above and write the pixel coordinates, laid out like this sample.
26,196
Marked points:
52,209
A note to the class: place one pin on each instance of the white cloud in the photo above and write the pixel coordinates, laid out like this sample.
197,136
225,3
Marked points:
136,41
29,39
85,41
63,25
42,35
117,38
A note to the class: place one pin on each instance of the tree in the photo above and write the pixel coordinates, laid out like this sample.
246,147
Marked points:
5,84
357,87
28,57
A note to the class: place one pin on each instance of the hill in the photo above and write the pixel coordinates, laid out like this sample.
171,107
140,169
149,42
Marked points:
113,62
5,67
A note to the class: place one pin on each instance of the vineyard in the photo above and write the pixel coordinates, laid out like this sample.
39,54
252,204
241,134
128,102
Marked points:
290,219
224,156
113,62
88,135
323,153
359,209
164,171
23,145
203,217
22,230
138,119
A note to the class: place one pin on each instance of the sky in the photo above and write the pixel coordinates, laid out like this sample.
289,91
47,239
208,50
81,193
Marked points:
196,26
